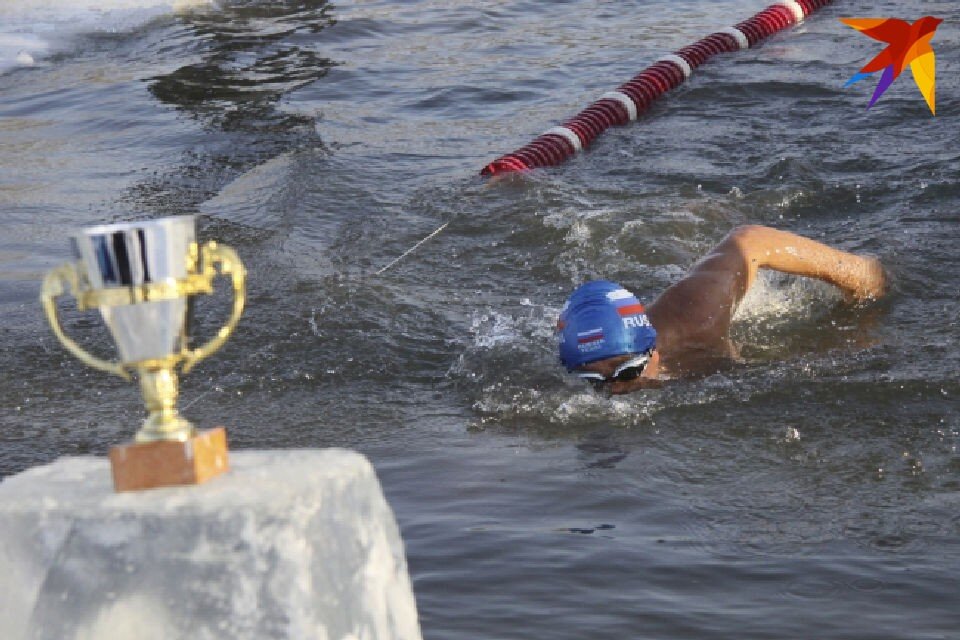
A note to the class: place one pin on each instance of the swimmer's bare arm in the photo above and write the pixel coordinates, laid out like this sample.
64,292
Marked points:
699,307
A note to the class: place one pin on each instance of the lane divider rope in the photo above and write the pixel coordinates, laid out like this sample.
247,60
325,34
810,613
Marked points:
738,35
636,95
680,62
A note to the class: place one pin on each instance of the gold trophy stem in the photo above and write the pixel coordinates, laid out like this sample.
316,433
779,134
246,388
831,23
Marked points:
164,422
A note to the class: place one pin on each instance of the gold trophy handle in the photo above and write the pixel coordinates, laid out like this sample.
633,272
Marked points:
228,264
53,287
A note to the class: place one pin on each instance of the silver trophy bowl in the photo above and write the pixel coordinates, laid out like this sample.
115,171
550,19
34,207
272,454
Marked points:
134,254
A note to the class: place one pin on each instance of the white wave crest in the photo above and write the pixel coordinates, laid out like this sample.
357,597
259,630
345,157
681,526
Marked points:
32,29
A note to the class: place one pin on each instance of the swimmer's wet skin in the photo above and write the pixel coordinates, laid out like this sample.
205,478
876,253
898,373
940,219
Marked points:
608,338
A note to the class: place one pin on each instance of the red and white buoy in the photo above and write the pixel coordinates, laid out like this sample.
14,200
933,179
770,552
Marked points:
633,97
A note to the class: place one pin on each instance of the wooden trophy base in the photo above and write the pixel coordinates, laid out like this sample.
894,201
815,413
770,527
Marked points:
148,465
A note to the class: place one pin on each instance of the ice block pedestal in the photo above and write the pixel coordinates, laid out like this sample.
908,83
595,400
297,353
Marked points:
287,544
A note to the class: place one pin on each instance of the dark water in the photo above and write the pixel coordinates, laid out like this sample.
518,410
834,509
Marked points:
809,491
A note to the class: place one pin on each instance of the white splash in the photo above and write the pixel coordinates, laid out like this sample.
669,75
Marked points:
32,29
776,295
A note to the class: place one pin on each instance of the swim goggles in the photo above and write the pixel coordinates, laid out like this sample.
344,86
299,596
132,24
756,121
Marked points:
629,370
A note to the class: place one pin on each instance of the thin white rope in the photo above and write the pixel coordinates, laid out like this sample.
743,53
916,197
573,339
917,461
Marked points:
413,248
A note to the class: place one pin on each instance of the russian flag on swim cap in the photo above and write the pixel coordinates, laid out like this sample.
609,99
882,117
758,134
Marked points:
601,320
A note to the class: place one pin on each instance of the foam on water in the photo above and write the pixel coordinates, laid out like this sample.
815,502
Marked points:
33,29
775,295
512,368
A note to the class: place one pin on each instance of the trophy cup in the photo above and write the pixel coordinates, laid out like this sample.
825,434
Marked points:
142,276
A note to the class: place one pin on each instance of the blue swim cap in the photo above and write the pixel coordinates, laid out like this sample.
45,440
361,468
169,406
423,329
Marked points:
601,320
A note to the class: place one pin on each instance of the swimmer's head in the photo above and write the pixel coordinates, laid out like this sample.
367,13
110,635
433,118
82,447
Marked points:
602,320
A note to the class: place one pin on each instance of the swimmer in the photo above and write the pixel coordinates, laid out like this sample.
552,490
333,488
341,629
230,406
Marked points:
608,339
